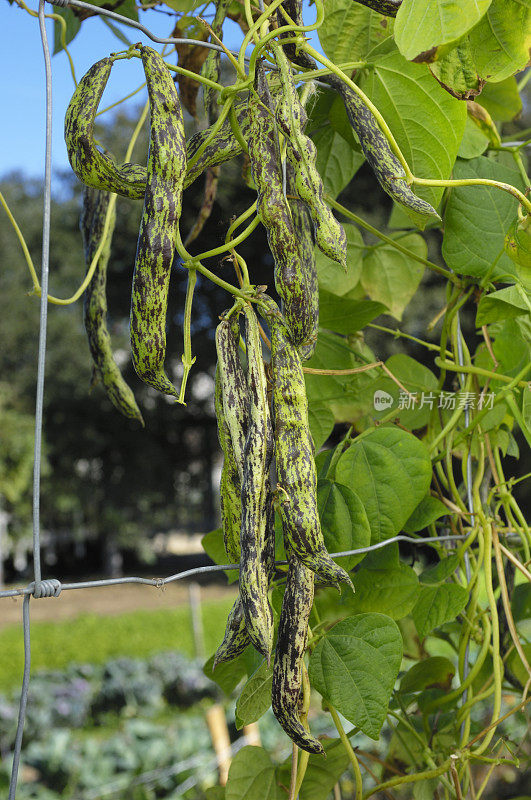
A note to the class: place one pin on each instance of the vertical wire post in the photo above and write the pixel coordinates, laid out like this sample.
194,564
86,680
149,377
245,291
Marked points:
23,698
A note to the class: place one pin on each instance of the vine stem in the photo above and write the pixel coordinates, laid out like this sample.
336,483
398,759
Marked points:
472,370
506,187
393,242
350,751
187,359
419,776
370,105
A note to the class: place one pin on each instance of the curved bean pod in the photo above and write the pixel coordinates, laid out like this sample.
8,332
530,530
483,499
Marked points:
289,653
302,153
296,475
92,221
230,484
159,225
305,233
254,578
234,389
264,154
98,169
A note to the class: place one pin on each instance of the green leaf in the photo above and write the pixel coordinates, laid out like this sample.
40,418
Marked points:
255,697
391,277
428,510
511,347
423,25
215,793
501,40
331,275
354,667
117,32
441,571
214,547
337,162
437,605
390,470
345,395
321,420
502,100
477,218
417,379
227,675
503,304
252,774
346,316
434,671
73,25
516,665
350,31
456,72
343,520
389,591
321,774
405,93
474,142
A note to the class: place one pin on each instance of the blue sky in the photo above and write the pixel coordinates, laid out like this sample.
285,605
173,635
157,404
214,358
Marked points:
23,90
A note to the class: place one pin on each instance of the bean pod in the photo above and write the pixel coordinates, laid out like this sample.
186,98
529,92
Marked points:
159,225
95,204
289,653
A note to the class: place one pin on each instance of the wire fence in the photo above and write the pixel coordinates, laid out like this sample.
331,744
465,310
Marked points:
41,588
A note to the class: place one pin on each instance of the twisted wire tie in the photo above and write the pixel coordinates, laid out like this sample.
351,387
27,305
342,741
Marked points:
50,587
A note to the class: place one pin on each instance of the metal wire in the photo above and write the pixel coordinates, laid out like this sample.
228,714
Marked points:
133,24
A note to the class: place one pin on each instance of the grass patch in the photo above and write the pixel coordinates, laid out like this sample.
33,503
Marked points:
93,639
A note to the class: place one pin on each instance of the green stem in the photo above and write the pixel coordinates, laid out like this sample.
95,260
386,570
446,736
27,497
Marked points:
350,752
187,359
224,248
403,779
397,333
365,100
472,370
215,128
506,187
371,229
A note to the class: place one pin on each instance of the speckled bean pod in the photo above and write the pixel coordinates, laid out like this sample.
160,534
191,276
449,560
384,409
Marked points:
92,221
166,169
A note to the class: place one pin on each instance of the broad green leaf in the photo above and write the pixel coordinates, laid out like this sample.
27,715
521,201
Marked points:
345,395
428,510
477,219
321,773
441,571
390,470
321,420
117,32
474,142
227,675
346,316
390,591
501,39
405,93
423,25
416,379
252,774
343,520
516,665
215,793
337,162
391,277
502,100
456,72
331,275
355,666
511,347
255,697
504,304
437,605
349,31
434,671
73,24
214,547
425,790
521,608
